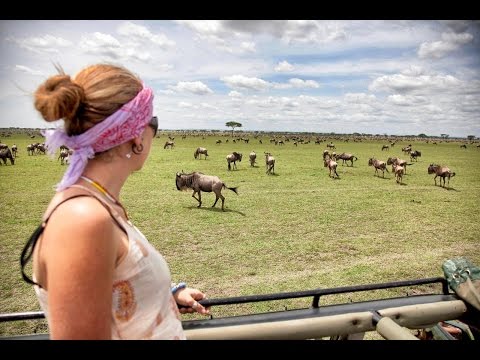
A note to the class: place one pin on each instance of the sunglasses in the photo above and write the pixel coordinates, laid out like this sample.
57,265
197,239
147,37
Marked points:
154,125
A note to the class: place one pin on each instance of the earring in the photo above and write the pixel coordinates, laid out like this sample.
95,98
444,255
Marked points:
137,149
129,155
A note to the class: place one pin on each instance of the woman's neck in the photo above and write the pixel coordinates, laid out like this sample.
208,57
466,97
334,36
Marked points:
108,176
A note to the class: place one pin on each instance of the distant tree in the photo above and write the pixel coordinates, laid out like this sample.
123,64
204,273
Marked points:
233,125
444,136
422,135
471,137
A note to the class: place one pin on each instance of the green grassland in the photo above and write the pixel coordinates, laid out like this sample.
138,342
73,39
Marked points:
295,230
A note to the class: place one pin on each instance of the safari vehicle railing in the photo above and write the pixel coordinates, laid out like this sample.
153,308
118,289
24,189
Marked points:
390,317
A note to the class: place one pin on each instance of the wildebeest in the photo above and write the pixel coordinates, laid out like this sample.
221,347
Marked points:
170,144
385,147
30,149
253,157
397,161
199,151
331,146
415,154
199,182
463,146
233,157
269,163
6,154
346,157
378,164
14,150
63,156
441,171
399,171
332,166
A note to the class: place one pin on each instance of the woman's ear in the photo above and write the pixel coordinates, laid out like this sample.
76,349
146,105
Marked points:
138,140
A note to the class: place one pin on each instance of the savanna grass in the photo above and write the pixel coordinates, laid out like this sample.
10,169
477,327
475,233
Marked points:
295,230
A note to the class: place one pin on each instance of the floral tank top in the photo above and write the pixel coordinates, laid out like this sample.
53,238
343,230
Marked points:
143,306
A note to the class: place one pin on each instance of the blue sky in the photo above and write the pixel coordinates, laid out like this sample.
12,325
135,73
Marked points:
379,77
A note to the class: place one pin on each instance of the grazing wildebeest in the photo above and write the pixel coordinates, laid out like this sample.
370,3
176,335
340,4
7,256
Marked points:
14,150
441,171
397,161
463,146
269,163
30,149
407,149
332,166
199,182
220,141
6,154
233,157
199,151
331,146
399,171
415,154
41,148
253,157
170,144
346,157
62,156
378,164
385,147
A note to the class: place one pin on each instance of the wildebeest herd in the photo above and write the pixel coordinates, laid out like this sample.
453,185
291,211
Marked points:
199,182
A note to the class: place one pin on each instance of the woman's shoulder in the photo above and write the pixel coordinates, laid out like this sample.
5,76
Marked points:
77,207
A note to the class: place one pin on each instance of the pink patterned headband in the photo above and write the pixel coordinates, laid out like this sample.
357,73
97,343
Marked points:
125,124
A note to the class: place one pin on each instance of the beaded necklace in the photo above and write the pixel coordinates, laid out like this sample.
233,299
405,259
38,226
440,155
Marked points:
106,193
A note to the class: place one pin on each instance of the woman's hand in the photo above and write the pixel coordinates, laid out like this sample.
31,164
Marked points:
189,298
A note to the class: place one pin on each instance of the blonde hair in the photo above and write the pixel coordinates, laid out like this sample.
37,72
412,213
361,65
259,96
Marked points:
95,93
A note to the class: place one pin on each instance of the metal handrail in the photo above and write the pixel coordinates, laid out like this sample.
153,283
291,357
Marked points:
315,293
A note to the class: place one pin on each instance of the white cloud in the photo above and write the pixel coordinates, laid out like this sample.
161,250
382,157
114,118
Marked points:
194,87
184,104
407,100
358,98
291,31
413,70
284,66
214,32
243,82
45,43
208,106
449,43
299,83
27,70
141,33
235,94
247,46
402,83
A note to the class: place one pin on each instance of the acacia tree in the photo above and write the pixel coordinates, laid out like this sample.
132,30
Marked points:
233,125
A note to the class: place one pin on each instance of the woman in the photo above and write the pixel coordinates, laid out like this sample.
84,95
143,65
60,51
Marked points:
95,274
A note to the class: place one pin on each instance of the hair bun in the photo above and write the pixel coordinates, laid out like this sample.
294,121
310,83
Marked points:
59,98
